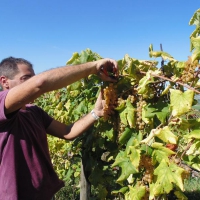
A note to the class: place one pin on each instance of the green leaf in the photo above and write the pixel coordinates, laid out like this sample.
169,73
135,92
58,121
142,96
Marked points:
122,190
159,109
135,156
181,102
102,192
196,55
84,56
180,195
194,149
163,133
166,135
123,116
194,134
74,86
82,107
160,152
69,174
130,114
96,176
73,58
125,136
136,193
142,87
180,65
126,166
110,134
195,43
156,54
195,20
131,142
167,175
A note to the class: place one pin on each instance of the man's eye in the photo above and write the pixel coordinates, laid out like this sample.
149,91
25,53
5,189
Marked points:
24,78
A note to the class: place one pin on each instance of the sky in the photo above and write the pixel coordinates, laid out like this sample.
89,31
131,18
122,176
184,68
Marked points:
47,32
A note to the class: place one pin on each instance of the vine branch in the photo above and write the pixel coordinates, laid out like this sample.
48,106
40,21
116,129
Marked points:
168,79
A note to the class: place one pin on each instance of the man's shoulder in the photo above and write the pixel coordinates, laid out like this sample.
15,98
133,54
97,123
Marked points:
3,92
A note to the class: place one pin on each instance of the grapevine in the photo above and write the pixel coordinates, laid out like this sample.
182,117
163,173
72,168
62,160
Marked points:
148,141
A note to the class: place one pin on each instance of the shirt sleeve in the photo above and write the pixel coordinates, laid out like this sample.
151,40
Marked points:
3,95
42,115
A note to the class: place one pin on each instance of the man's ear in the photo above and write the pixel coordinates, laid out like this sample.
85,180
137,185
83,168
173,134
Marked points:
4,82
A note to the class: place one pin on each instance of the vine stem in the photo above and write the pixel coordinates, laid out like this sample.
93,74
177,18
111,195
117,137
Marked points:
187,147
168,79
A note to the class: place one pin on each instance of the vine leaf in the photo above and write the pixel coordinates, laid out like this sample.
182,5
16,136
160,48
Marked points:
127,115
194,134
130,114
125,136
123,115
163,133
160,152
109,134
102,192
143,83
73,58
160,109
195,20
180,195
126,166
193,161
136,193
122,190
84,57
167,175
194,149
156,54
135,154
166,135
181,102
74,86
195,44
96,175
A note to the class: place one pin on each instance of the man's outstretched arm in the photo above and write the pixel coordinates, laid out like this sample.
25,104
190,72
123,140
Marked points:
54,79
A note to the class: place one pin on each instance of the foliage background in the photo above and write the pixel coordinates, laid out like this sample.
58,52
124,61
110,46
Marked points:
112,150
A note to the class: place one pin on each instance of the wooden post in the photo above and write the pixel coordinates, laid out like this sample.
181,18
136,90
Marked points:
84,186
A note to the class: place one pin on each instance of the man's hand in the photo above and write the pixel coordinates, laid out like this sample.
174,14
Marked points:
99,105
107,69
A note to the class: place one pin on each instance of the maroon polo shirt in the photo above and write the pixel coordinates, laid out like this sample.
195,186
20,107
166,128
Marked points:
26,171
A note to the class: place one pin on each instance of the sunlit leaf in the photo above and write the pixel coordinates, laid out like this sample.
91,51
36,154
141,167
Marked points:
167,175
181,102
160,152
126,166
166,135
136,193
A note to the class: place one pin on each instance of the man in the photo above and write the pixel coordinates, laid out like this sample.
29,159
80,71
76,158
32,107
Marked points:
26,171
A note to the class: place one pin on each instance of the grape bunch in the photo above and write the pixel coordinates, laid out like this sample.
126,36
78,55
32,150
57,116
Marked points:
188,73
139,122
147,165
110,97
132,98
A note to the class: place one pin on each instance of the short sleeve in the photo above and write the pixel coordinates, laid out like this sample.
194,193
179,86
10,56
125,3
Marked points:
3,95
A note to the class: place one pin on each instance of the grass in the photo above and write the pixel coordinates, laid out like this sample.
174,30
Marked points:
192,188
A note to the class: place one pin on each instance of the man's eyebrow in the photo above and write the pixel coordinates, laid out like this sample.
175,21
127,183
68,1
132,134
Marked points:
27,75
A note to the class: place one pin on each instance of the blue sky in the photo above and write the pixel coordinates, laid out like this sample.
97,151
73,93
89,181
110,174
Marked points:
47,32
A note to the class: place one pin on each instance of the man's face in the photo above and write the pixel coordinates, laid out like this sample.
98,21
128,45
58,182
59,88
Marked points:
24,74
